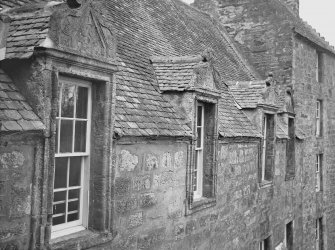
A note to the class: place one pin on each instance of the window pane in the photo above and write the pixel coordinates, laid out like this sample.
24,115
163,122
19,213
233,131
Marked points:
73,217
74,193
60,196
67,104
199,137
56,138
59,208
80,136
73,206
66,133
199,116
75,171
82,98
60,173
58,220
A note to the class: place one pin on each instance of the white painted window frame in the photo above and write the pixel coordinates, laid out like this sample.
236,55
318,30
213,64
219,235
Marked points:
318,172
265,117
199,151
82,223
318,118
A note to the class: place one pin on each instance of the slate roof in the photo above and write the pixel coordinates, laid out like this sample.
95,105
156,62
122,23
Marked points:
175,73
146,29
15,112
247,94
16,3
232,121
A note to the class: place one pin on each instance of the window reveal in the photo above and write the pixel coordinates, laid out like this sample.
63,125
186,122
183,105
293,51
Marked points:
318,118
290,149
318,172
268,147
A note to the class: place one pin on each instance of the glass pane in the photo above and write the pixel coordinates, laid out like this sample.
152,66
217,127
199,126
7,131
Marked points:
82,98
60,196
199,137
80,136
59,96
72,217
73,206
68,93
58,220
56,138
74,193
59,208
75,171
66,133
60,173
199,116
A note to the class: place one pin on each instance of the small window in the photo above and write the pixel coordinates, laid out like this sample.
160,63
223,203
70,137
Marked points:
318,234
319,67
290,149
268,147
70,203
289,236
265,244
202,181
318,172
318,118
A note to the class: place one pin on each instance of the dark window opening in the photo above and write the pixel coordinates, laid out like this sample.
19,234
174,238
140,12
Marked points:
289,236
290,150
319,67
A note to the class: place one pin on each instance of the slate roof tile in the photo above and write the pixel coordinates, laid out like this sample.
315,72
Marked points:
15,113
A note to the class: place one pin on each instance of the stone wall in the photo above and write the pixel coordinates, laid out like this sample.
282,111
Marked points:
149,199
263,35
20,156
306,92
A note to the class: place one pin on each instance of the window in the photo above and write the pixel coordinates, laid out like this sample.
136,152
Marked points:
318,118
265,244
202,177
319,67
318,234
70,203
318,172
268,147
199,149
290,149
289,236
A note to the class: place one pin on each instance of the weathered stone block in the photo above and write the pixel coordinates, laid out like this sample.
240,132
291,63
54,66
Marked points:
148,200
179,160
14,160
167,161
179,231
127,161
151,239
126,205
151,162
122,186
141,183
135,220
190,226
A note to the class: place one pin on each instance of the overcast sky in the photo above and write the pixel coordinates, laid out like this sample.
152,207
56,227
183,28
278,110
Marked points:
318,13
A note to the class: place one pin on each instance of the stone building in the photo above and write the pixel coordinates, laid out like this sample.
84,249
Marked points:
143,125
274,39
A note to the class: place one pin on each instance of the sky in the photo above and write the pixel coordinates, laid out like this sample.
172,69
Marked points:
319,14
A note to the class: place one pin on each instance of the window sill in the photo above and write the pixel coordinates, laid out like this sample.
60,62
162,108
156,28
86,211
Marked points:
265,184
80,240
201,204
